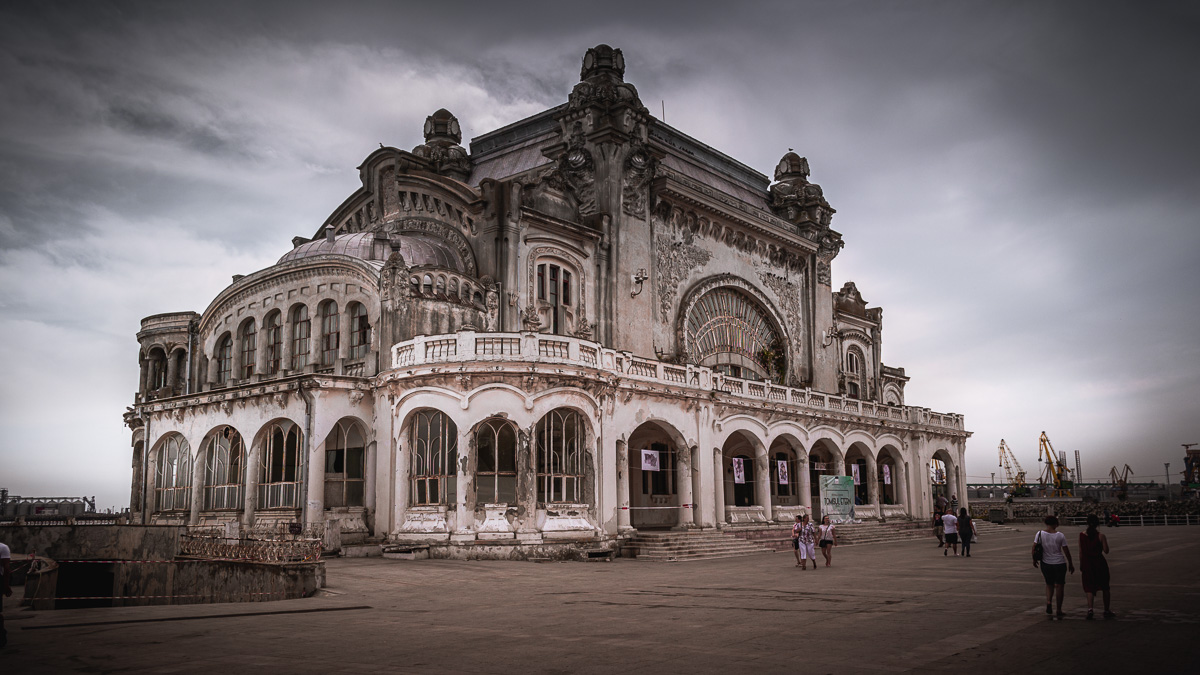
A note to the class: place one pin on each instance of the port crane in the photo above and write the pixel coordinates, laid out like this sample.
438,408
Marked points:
1119,481
1055,473
1013,473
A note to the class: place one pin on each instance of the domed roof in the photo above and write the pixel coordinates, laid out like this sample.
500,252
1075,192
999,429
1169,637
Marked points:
416,249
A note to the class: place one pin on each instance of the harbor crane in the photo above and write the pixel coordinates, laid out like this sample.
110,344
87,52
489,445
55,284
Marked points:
1055,473
1119,481
1013,473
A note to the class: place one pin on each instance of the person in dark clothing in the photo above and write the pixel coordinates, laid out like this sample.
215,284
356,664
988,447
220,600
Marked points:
966,530
1092,565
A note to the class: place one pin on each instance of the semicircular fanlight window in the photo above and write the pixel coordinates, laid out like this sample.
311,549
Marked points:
730,332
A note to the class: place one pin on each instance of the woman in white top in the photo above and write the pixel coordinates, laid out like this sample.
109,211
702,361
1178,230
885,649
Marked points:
826,539
1056,561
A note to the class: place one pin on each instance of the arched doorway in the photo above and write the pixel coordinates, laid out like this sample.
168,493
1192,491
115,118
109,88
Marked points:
788,484
822,461
746,483
891,478
943,480
655,475
860,466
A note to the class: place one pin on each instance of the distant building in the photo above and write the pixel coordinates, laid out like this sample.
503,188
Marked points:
481,349
12,506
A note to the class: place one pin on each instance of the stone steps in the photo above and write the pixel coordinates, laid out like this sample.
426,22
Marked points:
679,546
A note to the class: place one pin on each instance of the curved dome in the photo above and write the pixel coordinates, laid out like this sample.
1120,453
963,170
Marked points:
415,248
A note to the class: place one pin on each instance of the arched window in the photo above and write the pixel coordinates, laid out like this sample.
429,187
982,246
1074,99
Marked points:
729,332
496,462
428,281
330,334
441,285
855,367
555,288
360,331
249,339
559,438
416,285
852,363
158,369
454,288
274,342
301,328
173,478
434,458
224,470
224,357
279,470
345,463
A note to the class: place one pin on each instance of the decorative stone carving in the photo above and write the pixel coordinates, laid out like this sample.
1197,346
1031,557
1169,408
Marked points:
442,149
640,166
393,278
602,83
789,299
673,261
531,319
796,199
578,172
492,300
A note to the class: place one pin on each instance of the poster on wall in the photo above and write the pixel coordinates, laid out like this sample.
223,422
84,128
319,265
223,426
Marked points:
783,472
854,470
739,470
650,460
887,474
837,498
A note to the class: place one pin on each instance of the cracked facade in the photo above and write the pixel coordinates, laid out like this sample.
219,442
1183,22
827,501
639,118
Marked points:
477,345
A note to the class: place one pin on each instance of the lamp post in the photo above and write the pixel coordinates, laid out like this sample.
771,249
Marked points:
1167,475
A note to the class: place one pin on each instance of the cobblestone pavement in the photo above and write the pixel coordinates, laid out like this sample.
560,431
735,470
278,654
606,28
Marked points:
880,608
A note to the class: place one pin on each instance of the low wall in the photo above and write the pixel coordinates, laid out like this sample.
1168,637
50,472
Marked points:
93,542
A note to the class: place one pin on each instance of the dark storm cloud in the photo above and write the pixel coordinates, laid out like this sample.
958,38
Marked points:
1015,181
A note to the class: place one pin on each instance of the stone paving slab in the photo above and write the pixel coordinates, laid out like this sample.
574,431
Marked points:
881,608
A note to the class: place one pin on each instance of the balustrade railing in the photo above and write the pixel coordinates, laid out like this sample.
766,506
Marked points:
469,346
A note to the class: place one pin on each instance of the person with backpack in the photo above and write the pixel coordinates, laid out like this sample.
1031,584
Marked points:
1050,552
966,530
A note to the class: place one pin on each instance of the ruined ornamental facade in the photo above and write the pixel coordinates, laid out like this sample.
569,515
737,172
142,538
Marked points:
489,349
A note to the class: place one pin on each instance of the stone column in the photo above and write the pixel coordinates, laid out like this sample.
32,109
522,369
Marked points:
683,482
402,483
872,479
805,486
526,525
285,331
699,515
369,473
719,487
172,372
314,482
900,485
762,483
250,485
464,521
144,376
623,487
197,488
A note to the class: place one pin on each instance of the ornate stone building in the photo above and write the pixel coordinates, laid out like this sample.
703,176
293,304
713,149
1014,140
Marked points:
477,346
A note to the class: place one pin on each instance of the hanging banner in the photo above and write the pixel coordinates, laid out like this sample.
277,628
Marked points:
837,498
650,460
887,474
819,466
739,471
854,471
783,472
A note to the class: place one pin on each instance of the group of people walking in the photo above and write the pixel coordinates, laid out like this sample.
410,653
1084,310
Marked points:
806,539
954,530
1053,556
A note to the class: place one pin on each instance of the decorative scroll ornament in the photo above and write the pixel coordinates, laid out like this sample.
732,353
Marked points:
674,261
531,319
578,172
640,167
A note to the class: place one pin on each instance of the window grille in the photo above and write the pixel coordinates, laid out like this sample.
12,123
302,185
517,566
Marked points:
330,336
344,465
434,458
496,462
224,359
274,343
360,331
726,321
560,446
301,328
173,476
224,470
279,468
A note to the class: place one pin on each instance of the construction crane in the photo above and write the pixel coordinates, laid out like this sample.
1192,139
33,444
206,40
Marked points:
1056,474
1015,477
1119,481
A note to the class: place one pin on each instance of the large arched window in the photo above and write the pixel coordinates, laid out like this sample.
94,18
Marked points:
434,458
496,462
224,356
274,342
559,438
855,370
360,331
330,335
729,332
249,338
224,470
173,478
301,328
345,463
279,468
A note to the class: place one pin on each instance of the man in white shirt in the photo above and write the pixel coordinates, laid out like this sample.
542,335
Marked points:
5,587
950,524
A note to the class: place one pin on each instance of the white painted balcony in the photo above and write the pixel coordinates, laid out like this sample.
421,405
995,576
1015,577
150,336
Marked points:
473,347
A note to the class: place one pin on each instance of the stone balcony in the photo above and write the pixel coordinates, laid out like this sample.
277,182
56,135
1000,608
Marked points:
526,348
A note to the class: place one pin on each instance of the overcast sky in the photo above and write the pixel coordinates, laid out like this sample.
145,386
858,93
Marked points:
1017,184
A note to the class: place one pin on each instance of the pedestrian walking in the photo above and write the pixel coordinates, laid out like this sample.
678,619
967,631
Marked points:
950,524
1055,561
1092,565
804,539
966,531
938,527
826,539
953,503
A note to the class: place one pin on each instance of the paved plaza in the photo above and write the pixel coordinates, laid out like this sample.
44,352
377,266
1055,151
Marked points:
880,608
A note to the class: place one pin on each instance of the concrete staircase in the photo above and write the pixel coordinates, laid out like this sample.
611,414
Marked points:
679,546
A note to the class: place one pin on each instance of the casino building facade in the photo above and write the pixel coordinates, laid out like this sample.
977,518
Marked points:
477,348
